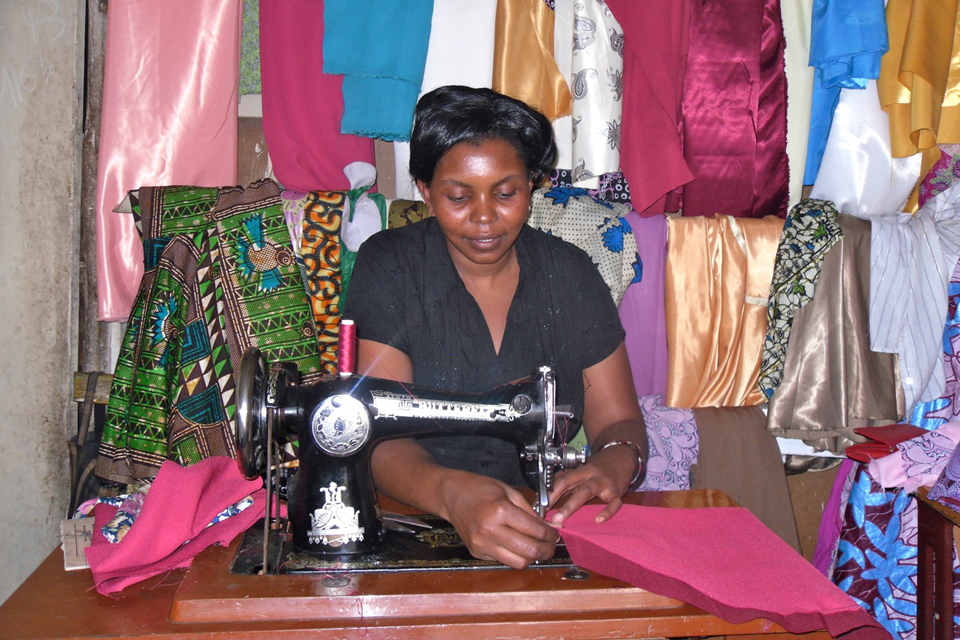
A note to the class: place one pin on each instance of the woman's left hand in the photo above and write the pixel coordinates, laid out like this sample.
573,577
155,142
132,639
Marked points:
606,476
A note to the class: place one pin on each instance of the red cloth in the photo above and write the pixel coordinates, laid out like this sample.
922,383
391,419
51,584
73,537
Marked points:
302,106
722,560
654,54
179,506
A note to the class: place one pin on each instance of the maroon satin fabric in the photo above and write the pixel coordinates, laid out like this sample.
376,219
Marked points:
302,106
735,110
655,49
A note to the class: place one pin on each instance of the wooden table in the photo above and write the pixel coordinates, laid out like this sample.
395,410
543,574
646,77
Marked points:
208,599
935,544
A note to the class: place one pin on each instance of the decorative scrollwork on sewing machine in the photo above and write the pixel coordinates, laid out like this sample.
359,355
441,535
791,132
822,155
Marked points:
337,421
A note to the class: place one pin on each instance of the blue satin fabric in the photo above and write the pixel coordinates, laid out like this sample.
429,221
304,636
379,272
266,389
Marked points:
848,38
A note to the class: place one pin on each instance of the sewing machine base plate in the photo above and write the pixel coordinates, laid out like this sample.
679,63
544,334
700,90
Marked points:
436,549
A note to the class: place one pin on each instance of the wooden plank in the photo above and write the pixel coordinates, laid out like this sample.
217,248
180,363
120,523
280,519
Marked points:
102,393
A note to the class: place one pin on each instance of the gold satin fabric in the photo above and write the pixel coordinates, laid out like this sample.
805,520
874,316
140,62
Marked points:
523,63
832,382
919,83
718,276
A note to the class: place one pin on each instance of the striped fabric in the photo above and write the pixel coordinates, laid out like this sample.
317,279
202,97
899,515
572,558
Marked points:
911,260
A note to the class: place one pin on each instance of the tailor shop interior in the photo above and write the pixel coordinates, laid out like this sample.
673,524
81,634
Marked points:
769,194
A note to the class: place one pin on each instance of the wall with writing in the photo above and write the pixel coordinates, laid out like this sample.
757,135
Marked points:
41,65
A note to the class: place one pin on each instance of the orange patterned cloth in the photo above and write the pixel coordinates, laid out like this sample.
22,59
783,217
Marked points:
314,222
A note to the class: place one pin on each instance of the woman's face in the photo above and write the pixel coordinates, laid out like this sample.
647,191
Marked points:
480,195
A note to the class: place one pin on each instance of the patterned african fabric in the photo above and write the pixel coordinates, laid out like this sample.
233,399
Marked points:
596,83
596,227
877,551
380,48
523,63
848,37
656,38
169,117
718,276
734,107
220,277
673,443
302,106
404,212
250,49
809,231
919,80
612,187
932,414
832,382
911,261
314,220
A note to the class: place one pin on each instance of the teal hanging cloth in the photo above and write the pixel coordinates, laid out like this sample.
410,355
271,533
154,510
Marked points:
380,48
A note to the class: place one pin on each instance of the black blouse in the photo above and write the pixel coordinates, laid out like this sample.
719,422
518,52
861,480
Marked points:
405,292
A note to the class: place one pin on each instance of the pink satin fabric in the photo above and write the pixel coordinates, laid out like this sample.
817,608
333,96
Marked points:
721,559
655,50
735,110
718,276
302,106
169,117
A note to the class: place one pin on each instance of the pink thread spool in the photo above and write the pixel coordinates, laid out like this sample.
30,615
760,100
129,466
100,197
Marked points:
347,348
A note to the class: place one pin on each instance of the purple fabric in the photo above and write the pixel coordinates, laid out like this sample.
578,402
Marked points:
832,520
674,445
641,309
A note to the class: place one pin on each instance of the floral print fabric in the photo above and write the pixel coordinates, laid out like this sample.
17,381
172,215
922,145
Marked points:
674,445
877,551
596,227
809,231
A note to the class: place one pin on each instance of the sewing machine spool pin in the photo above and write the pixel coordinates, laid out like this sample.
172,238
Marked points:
332,503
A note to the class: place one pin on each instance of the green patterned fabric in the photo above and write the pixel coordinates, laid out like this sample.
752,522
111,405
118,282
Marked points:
220,277
809,231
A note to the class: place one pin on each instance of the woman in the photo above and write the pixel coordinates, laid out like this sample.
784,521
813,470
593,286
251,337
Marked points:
473,298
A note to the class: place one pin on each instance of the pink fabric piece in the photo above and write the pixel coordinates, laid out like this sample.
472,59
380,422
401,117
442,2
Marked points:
179,506
918,462
654,56
641,309
722,560
171,75
302,106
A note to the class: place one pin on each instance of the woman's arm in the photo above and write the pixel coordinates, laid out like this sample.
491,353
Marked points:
611,415
493,519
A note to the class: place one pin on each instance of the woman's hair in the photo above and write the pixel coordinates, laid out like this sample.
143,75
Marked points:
447,116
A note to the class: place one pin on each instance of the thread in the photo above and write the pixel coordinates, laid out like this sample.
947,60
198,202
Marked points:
347,348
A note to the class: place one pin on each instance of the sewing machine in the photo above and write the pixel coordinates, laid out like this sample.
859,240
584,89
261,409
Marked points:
333,508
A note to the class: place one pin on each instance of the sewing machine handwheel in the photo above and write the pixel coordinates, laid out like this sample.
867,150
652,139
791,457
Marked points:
251,429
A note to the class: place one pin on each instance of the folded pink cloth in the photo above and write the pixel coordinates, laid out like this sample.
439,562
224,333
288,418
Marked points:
179,506
722,560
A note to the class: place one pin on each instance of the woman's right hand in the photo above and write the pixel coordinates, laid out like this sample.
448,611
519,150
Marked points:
495,521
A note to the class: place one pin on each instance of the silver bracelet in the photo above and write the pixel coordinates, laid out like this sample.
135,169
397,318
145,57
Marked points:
636,447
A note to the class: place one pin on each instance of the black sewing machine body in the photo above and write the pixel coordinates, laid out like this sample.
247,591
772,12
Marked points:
332,502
